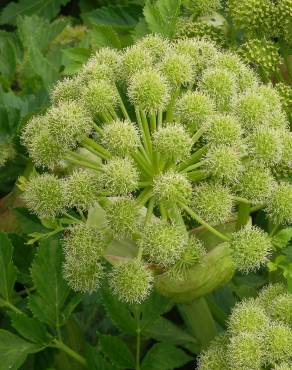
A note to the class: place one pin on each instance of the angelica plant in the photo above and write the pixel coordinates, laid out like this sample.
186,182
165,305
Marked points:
258,337
159,138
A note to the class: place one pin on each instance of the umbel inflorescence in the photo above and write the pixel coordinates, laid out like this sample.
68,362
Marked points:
259,335
158,134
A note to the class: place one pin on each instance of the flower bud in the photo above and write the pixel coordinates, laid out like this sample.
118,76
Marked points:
131,282
148,90
119,176
279,207
100,96
212,202
192,109
173,142
81,189
162,243
123,217
220,85
250,248
172,187
223,129
120,137
44,195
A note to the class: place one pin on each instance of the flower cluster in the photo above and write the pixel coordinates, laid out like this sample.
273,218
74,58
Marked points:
158,134
259,335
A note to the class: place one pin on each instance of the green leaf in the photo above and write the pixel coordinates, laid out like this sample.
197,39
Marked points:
162,16
8,271
95,360
117,351
102,35
30,328
282,238
52,291
7,56
14,350
116,16
74,58
27,222
165,331
163,356
118,312
43,8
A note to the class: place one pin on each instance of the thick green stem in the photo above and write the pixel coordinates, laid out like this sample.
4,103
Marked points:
199,320
149,210
242,214
203,223
10,306
193,166
160,119
197,135
138,337
169,113
153,121
81,161
193,158
62,346
197,175
144,196
100,149
146,131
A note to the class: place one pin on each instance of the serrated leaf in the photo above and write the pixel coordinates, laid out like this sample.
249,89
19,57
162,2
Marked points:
14,350
116,16
118,312
7,56
282,238
163,356
30,328
103,35
74,58
165,331
95,360
8,271
161,17
43,8
52,291
28,223
116,351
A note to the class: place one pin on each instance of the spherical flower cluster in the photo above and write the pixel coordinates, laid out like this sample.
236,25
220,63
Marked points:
148,143
131,281
250,248
255,339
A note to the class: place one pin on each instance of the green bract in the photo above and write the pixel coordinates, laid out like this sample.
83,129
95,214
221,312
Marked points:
145,145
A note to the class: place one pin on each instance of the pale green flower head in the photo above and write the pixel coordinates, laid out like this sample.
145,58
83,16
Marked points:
99,97
66,89
223,129
44,195
212,202
245,352
248,317
119,176
255,183
178,69
269,293
173,142
279,207
250,248
110,60
287,149
192,109
148,90
131,282
221,86
172,187
214,358
154,44
162,243
81,189
120,137
135,59
277,340
283,366
122,216
280,309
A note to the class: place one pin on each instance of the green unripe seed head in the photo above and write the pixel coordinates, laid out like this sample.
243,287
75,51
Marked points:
173,142
279,207
281,309
172,187
283,366
220,85
250,248
204,7
287,149
214,358
108,58
156,45
122,215
120,137
269,293
81,189
178,69
212,202
223,163
67,89
247,316
131,282
148,90
32,129
119,176
100,96
244,352
162,243
223,129
134,60
256,183
278,343
44,195
192,109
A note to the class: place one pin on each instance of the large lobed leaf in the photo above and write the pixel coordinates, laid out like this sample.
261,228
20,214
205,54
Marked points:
8,271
